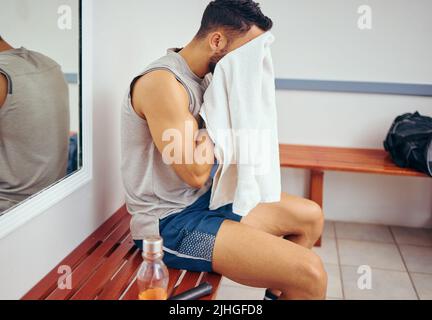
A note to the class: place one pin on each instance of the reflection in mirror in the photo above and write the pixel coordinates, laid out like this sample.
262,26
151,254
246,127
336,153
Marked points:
39,96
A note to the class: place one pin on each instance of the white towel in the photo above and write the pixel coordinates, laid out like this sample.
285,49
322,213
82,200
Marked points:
239,110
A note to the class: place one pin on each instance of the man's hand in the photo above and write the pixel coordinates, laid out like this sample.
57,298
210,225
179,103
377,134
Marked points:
164,103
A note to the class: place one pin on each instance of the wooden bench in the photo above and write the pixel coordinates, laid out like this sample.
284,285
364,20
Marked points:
104,267
320,159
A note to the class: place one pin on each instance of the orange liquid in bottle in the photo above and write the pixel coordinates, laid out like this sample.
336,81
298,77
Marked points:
153,294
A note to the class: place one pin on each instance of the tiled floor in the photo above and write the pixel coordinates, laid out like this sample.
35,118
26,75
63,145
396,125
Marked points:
398,260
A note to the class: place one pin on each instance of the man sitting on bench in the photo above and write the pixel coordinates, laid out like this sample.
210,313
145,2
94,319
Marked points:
270,247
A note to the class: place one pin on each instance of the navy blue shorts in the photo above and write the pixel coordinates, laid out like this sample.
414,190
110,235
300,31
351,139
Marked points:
189,236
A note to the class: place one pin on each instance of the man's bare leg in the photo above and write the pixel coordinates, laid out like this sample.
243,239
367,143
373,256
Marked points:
255,258
296,219
293,218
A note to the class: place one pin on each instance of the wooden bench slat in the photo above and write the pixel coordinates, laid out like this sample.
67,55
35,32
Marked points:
49,283
373,161
174,276
85,269
132,292
115,288
215,280
111,265
189,281
112,223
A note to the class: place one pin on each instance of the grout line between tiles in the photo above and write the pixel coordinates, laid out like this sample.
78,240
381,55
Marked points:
406,267
352,239
381,269
339,261
384,242
242,287
422,273
334,229
239,285
373,241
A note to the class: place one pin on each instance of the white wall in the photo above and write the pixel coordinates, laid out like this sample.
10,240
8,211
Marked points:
143,30
321,40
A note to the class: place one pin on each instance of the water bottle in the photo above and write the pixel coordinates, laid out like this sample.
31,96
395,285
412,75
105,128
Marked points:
153,274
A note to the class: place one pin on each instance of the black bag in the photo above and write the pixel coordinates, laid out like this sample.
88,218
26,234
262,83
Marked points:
409,142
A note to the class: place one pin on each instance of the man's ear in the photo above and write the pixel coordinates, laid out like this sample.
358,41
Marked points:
217,41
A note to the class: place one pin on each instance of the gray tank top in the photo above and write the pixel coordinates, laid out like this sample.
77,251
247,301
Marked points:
153,190
34,125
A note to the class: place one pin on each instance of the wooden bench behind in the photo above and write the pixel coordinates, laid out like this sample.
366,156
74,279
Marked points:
320,159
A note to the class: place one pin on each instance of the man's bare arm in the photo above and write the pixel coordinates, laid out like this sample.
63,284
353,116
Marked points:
160,99
3,89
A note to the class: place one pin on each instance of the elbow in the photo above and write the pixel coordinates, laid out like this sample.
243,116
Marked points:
197,182
195,177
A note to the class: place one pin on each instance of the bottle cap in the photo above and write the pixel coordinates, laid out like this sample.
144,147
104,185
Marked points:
153,246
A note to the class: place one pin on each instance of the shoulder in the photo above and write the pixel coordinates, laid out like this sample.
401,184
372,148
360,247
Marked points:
41,59
158,87
3,89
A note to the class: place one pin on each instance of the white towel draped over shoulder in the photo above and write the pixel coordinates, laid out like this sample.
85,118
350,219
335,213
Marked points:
239,110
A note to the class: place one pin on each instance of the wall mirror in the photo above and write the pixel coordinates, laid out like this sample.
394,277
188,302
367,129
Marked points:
40,115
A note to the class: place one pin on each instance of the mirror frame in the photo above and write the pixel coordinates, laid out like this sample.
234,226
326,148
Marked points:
39,203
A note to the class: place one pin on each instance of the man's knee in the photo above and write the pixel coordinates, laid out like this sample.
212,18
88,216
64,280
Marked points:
310,282
314,216
314,284
317,277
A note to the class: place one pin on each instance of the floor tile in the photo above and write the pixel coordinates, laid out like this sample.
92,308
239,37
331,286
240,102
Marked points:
238,293
386,285
363,232
327,251
370,245
423,284
227,282
373,254
413,236
334,287
329,231
417,259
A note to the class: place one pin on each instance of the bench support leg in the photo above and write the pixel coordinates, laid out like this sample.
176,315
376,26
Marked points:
316,191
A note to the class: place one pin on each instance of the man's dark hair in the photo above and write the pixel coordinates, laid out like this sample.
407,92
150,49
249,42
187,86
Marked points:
235,16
